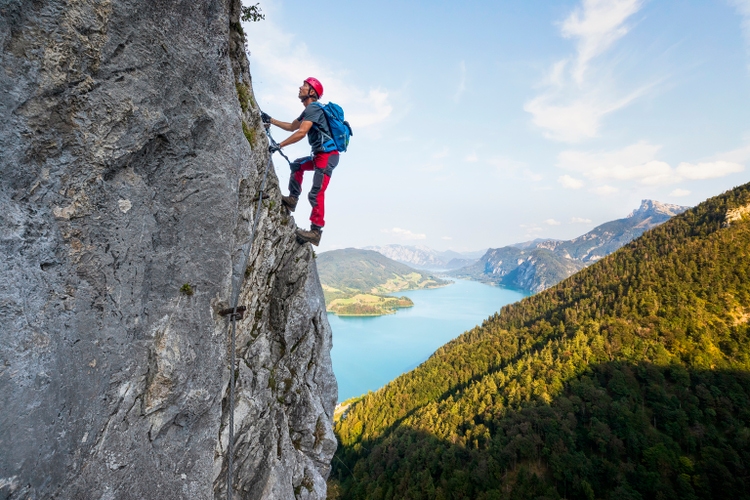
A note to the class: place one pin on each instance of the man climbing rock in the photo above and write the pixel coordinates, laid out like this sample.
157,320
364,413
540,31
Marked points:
313,124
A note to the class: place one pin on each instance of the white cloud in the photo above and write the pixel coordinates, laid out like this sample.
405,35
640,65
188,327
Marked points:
574,120
461,83
679,192
569,182
572,104
552,222
282,60
569,122
605,190
447,238
597,24
638,163
635,162
471,158
405,234
580,220
708,170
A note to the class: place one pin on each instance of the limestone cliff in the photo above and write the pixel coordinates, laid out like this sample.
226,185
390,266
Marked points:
130,154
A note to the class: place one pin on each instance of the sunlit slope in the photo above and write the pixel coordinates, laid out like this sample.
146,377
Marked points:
356,282
352,270
627,380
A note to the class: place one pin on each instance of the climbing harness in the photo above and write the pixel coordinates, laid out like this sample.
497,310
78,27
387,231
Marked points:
237,312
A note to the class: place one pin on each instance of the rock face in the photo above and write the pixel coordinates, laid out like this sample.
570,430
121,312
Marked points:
130,154
537,265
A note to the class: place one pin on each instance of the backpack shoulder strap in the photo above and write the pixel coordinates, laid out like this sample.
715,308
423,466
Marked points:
325,116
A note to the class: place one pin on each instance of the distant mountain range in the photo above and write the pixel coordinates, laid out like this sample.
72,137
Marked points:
423,257
540,264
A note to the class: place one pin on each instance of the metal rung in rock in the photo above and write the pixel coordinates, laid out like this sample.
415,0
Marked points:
239,315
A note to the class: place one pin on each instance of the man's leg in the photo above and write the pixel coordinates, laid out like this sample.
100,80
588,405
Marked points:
298,168
324,165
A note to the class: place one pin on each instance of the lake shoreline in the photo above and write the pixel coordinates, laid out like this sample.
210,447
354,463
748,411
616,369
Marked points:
368,304
388,309
370,351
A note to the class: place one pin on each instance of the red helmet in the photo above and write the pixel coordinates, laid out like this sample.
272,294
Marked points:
316,85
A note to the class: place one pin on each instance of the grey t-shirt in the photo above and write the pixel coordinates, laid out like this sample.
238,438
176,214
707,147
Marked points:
313,113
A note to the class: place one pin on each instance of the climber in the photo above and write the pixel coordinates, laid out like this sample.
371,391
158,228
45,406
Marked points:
310,123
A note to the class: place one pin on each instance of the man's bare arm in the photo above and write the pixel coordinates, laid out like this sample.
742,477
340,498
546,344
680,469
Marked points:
302,130
289,127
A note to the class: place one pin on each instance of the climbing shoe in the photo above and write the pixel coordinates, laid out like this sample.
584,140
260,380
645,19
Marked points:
311,236
290,202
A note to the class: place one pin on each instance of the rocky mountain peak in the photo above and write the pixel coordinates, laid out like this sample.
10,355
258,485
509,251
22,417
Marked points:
554,260
653,207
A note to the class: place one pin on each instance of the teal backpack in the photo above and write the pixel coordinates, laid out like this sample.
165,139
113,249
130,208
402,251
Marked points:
340,129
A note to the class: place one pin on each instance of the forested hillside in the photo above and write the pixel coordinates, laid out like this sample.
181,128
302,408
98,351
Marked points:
628,380
355,270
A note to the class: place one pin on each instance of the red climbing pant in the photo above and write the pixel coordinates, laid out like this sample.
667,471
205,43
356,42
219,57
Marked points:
323,165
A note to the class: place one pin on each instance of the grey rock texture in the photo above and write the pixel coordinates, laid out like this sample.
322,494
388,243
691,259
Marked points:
125,173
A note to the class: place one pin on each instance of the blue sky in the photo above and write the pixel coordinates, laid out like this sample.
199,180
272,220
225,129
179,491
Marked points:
480,124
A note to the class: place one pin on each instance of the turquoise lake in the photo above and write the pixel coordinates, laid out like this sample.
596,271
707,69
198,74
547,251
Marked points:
370,352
